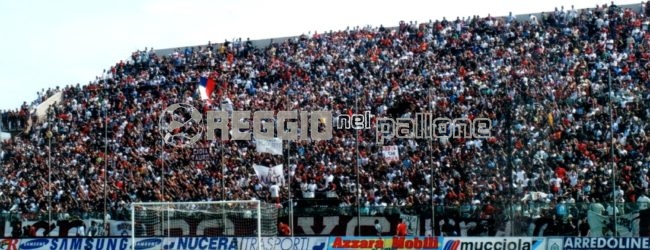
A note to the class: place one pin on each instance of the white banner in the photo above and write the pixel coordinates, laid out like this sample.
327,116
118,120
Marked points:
269,146
412,224
391,153
270,174
627,225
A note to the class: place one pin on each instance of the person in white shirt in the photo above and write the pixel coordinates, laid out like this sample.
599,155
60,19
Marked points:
81,230
275,192
643,202
378,228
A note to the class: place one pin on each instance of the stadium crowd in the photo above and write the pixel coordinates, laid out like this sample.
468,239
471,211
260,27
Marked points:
16,120
546,78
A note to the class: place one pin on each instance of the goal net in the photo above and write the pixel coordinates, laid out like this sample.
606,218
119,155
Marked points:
209,219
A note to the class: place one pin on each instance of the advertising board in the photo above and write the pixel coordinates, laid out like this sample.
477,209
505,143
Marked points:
384,242
175,243
77,243
493,243
592,243
285,243
554,243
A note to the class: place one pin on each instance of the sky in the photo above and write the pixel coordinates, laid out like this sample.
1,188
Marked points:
64,42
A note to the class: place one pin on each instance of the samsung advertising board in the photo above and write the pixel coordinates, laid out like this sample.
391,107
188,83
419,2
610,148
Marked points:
493,243
77,243
593,243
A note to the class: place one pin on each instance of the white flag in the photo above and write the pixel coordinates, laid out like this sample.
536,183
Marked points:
391,153
412,223
269,175
269,146
627,225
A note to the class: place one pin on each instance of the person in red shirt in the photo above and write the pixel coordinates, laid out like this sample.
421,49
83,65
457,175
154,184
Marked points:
401,228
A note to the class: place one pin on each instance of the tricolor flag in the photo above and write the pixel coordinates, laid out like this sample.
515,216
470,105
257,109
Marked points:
206,87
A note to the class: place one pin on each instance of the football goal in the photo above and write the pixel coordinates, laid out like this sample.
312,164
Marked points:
203,219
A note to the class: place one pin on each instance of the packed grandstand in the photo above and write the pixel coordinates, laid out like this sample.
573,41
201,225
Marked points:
546,78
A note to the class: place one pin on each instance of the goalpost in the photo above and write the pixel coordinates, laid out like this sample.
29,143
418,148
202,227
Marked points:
204,219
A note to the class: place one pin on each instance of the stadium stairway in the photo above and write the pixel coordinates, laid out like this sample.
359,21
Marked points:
41,110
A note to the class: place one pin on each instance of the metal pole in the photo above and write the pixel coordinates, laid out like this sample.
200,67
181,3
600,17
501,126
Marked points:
223,173
433,206
356,160
290,176
105,159
223,183
611,132
162,180
49,181
509,152
162,170
49,169
290,190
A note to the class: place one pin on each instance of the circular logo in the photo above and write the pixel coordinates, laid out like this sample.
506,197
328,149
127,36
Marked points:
180,125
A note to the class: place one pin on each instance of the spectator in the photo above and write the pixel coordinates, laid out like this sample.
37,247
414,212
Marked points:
93,230
275,192
285,230
378,228
401,228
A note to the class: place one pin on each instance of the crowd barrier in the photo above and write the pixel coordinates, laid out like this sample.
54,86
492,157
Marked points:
532,220
323,243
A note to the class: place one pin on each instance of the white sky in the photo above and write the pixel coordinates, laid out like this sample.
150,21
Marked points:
57,43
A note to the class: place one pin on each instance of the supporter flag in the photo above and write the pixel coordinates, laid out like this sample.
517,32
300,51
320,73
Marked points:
627,225
412,223
268,175
273,147
391,153
206,87
226,104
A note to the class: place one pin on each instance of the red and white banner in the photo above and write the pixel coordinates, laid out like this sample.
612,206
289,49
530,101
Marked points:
391,154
